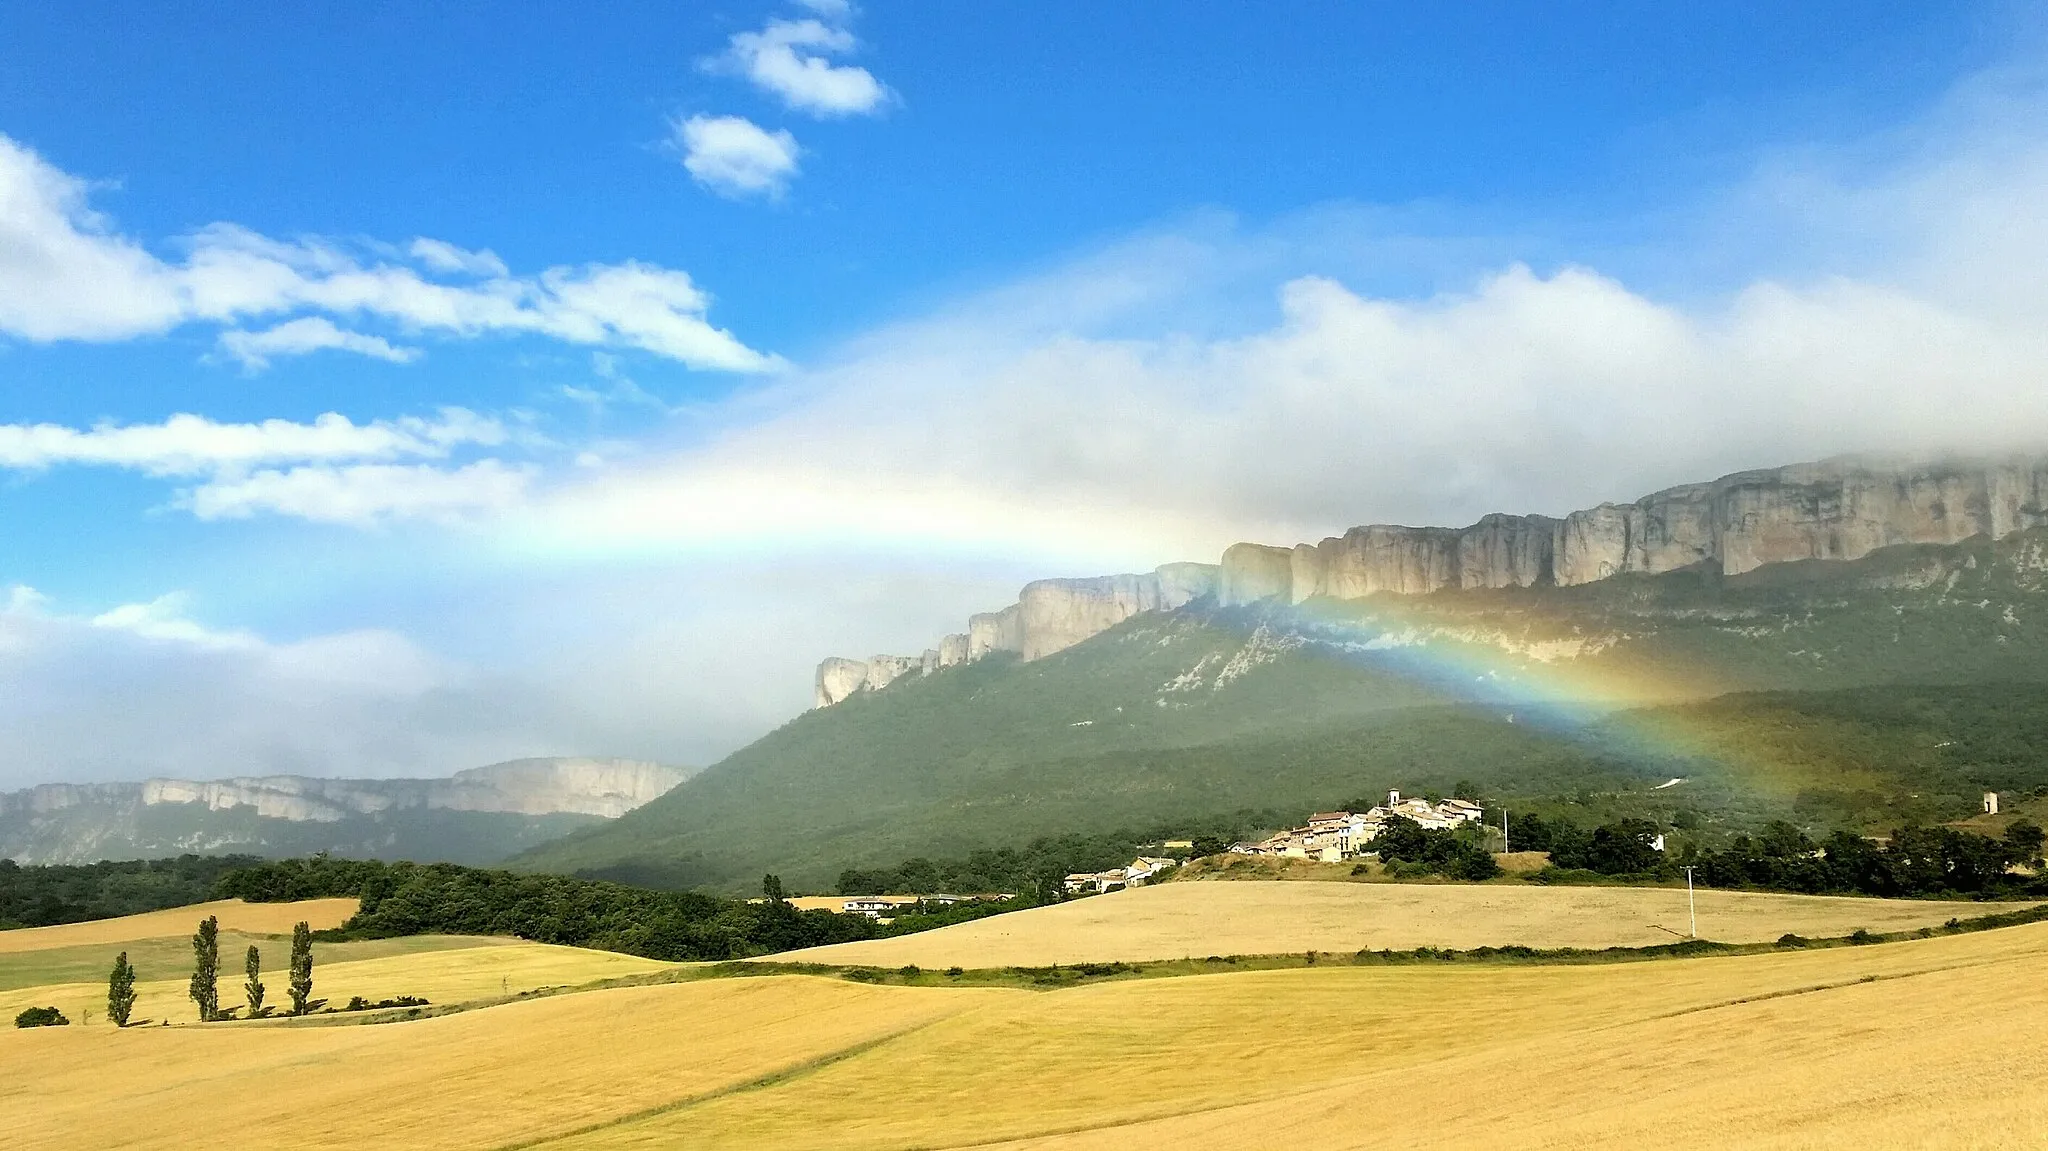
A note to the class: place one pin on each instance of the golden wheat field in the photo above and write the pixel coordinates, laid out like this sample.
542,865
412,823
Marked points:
1927,1043
234,915
462,971
1179,920
443,969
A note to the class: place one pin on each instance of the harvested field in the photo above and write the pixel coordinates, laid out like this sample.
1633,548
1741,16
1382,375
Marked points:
171,957
480,1079
442,975
234,915
1889,1044
1179,920
1880,1046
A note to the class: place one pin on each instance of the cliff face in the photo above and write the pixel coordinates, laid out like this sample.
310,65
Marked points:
479,816
606,787
1049,615
1837,509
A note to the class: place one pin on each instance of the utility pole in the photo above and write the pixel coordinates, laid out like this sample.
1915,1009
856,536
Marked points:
1504,848
1692,917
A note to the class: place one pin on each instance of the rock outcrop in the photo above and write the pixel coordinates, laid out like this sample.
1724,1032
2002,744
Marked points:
1050,615
1837,509
479,817
606,787
1841,509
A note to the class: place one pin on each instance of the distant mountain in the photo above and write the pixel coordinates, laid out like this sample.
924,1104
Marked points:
1835,691
478,816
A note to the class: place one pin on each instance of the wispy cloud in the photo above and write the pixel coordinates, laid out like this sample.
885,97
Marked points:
330,470
736,157
187,445
790,59
66,274
364,493
305,335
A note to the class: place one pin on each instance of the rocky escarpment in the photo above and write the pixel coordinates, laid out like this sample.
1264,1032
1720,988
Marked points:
1841,509
602,787
1049,615
1834,510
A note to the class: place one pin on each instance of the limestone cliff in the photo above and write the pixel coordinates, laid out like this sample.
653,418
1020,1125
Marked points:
1840,509
479,816
1837,509
606,787
1049,615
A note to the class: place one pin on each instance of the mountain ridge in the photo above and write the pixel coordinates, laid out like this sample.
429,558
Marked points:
1844,508
1591,693
522,801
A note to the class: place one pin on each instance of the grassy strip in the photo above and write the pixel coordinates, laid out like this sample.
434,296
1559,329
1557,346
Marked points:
1060,976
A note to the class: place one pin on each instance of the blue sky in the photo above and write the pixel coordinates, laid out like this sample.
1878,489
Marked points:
680,345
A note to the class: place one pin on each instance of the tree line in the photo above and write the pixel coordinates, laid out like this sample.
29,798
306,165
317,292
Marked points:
1038,870
443,898
1911,861
48,894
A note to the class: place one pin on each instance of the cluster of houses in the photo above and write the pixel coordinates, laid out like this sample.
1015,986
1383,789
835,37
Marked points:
1141,871
1331,836
885,907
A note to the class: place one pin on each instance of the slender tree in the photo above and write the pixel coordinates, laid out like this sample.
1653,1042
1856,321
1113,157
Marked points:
771,887
121,991
205,989
301,987
254,987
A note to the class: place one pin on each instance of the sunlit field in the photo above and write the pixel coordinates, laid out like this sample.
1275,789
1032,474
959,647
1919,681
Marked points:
234,915
444,969
1180,920
479,1079
1925,1043
439,969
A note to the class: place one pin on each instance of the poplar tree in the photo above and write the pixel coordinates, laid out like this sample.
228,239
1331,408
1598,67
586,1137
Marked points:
254,987
205,989
301,988
121,991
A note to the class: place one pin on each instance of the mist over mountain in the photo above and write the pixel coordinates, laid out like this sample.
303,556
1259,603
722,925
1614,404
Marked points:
479,815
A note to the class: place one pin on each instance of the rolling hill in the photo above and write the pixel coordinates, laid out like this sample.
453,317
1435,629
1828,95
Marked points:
1897,685
1882,1045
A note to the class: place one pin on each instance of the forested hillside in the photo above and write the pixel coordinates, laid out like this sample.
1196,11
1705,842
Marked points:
1893,687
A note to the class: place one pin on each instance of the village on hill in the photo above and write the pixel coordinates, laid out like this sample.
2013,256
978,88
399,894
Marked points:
1334,836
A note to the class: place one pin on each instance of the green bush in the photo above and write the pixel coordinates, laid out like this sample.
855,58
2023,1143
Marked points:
41,1017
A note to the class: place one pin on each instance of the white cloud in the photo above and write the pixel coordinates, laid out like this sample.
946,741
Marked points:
1087,417
144,689
66,275
736,157
362,494
835,10
190,445
443,256
164,618
788,58
305,335
330,470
